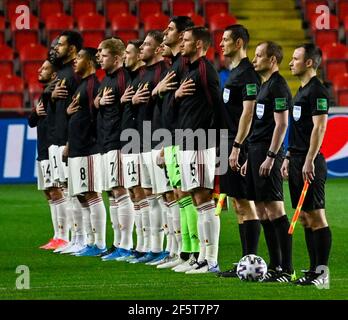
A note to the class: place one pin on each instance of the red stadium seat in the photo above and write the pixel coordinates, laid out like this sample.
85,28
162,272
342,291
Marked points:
310,7
11,83
6,60
127,35
342,9
324,36
125,26
220,21
6,53
33,52
32,56
147,8
335,59
211,54
211,7
6,67
2,30
49,7
82,7
124,21
100,74
35,90
92,38
115,7
56,23
30,70
197,19
217,37
91,21
11,100
24,36
181,7
11,5
157,21
340,85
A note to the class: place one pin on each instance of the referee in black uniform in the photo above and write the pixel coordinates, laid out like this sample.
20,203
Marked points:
265,155
308,119
239,96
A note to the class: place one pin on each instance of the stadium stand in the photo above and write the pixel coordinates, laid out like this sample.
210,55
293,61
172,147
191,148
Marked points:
289,22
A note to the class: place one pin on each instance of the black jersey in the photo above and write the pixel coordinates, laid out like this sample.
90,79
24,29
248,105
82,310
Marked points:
110,116
128,116
200,110
144,111
58,111
242,85
83,123
169,114
40,122
274,96
310,100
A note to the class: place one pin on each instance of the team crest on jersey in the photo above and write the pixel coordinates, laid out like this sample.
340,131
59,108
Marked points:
296,113
260,110
226,95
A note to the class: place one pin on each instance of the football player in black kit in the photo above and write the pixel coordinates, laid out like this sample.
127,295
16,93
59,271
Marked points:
239,95
198,103
38,119
85,179
108,102
165,91
68,209
265,157
308,120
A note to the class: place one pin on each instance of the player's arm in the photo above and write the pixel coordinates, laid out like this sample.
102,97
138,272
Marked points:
281,124
243,131
317,136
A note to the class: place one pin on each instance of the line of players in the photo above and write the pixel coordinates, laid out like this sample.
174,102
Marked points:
165,187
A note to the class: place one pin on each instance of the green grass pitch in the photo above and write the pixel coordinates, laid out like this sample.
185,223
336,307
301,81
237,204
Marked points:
25,225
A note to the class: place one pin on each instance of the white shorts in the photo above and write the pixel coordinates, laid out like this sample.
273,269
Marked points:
161,183
85,175
112,168
44,175
146,170
197,169
58,167
131,170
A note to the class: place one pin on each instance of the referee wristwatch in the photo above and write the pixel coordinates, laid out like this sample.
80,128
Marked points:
237,145
271,154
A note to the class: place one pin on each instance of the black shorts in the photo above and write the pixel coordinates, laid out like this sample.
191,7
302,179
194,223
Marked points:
263,188
315,197
232,183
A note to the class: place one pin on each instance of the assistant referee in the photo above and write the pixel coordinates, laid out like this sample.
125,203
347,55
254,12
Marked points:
308,119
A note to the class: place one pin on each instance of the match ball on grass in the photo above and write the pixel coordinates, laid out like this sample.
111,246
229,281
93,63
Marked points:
251,268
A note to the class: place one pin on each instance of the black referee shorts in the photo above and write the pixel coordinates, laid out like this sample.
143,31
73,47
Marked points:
315,198
232,183
263,188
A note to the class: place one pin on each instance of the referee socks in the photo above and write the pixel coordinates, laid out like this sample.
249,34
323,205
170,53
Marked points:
252,235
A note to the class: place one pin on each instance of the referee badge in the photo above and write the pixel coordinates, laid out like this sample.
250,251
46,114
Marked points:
260,110
296,113
226,95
